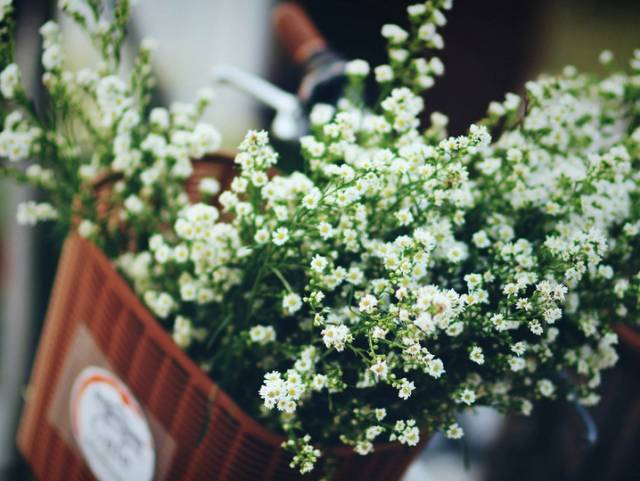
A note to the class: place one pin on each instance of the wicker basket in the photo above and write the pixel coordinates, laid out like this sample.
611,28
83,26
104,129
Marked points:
199,433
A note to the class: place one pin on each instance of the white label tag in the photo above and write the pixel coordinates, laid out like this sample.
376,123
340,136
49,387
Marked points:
110,428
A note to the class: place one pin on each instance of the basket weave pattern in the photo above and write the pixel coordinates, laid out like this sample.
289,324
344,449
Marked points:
214,438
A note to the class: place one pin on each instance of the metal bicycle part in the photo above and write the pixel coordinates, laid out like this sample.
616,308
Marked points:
290,121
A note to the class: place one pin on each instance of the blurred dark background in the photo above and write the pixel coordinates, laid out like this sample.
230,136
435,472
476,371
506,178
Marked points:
492,47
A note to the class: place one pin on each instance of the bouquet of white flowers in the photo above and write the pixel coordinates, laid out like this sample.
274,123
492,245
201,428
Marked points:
403,276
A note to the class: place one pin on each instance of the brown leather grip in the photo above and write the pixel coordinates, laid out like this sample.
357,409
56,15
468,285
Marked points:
297,32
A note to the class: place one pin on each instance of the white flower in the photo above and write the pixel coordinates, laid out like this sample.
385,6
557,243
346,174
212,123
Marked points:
87,78
261,236
355,276
336,336
133,204
496,109
454,431
319,263
162,254
159,117
425,81
30,213
373,432
181,253
273,389
476,355
311,200
517,364
321,114
399,54
546,387
519,348
436,66
425,322
16,145
262,334
363,447
161,304
52,57
535,327
368,303
406,388
435,368
319,382
620,288
357,68
38,175
378,332
467,396
86,228
481,239
188,291
9,80
209,186
456,254
394,33
383,73
182,332
291,303
427,31
325,230
129,119
150,44
416,10
605,57
281,236
552,315
205,140
410,437
259,178
404,216
380,369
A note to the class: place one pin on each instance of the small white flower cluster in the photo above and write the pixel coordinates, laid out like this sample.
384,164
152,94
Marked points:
10,81
336,336
282,393
406,432
110,136
454,431
262,334
567,167
30,213
306,455
398,251
18,139
435,273
52,55
406,61
182,332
